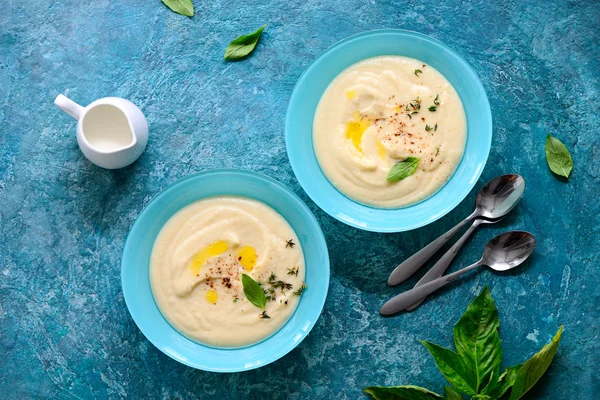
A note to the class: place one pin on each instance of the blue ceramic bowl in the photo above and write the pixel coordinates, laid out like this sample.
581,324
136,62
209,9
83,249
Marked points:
136,261
312,85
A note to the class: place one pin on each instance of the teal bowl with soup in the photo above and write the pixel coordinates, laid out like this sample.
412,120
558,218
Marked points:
388,130
225,271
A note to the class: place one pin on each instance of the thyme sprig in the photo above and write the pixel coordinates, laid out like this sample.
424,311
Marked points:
279,284
300,290
413,107
436,103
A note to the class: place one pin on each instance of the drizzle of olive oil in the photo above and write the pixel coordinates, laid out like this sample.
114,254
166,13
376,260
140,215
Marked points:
202,256
356,128
212,296
247,257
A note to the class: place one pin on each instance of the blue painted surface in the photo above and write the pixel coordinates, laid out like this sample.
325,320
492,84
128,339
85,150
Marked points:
64,328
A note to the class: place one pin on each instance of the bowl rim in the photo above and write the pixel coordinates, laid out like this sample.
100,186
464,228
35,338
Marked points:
321,297
348,219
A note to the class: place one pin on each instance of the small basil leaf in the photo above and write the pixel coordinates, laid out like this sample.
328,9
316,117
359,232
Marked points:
498,386
558,157
401,393
254,293
403,169
534,368
183,7
454,368
477,339
244,45
451,394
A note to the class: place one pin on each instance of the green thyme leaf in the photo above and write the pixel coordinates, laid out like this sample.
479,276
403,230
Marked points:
183,7
243,45
300,290
432,108
254,292
418,71
558,157
403,169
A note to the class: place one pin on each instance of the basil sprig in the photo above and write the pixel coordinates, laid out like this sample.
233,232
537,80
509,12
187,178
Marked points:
474,368
253,291
183,7
558,157
403,169
243,45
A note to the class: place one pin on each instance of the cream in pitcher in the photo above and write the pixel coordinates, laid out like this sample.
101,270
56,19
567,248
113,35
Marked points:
111,132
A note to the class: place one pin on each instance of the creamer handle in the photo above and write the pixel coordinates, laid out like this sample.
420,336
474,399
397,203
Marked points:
68,106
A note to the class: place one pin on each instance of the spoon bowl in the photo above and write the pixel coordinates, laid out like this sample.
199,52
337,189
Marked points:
499,196
508,250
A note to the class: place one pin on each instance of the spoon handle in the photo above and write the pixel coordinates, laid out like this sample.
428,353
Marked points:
405,270
403,300
442,265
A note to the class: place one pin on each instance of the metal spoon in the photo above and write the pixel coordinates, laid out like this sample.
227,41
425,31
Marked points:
493,201
443,263
502,253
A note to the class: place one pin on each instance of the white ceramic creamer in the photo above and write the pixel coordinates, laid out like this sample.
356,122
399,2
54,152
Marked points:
111,132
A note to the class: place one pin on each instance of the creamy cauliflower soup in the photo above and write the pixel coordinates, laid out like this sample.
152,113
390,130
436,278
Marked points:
206,256
385,111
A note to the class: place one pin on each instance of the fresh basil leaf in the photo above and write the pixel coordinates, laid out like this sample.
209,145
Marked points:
403,169
254,293
454,368
498,386
477,339
451,394
481,397
183,7
408,392
534,368
558,157
244,45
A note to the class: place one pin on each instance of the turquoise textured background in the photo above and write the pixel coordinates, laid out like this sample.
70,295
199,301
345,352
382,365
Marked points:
64,328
